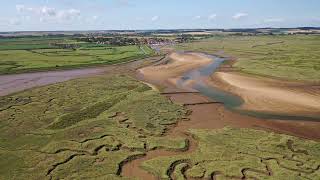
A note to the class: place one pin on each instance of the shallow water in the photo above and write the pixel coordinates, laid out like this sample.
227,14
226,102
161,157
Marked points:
19,82
230,101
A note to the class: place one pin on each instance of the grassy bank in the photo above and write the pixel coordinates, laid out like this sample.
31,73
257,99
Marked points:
86,128
286,57
36,54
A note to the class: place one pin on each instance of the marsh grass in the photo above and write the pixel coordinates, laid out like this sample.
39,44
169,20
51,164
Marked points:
84,128
242,153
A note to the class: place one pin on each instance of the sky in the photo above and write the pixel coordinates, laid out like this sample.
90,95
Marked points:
55,15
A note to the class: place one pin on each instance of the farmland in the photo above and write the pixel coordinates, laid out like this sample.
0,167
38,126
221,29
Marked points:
40,53
281,56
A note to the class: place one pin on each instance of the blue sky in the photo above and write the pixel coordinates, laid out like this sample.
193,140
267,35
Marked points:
17,15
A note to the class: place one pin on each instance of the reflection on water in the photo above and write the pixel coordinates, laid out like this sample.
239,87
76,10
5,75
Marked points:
230,101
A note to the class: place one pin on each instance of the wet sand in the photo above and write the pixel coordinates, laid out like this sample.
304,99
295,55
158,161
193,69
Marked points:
178,64
271,95
208,116
213,116
216,116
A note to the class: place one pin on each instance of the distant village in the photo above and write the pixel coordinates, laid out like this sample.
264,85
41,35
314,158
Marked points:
122,41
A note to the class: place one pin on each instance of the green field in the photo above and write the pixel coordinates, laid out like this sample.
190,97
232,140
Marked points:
282,56
83,128
34,54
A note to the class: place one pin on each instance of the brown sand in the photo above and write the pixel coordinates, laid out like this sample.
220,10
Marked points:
270,95
212,116
216,116
179,63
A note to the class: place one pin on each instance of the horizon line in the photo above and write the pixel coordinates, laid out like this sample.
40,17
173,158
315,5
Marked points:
160,29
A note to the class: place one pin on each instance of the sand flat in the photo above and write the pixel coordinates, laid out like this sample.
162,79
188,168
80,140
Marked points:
265,94
213,116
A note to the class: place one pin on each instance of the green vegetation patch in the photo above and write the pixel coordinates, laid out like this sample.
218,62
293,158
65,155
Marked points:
34,54
282,56
84,128
242,153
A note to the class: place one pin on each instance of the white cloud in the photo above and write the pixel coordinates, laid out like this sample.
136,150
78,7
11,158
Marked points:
239,16
95,17
274,20
22,8
212,17
154,18
196,17
45,13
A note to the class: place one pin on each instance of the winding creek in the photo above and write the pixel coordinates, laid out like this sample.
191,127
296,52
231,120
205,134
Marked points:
230,101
